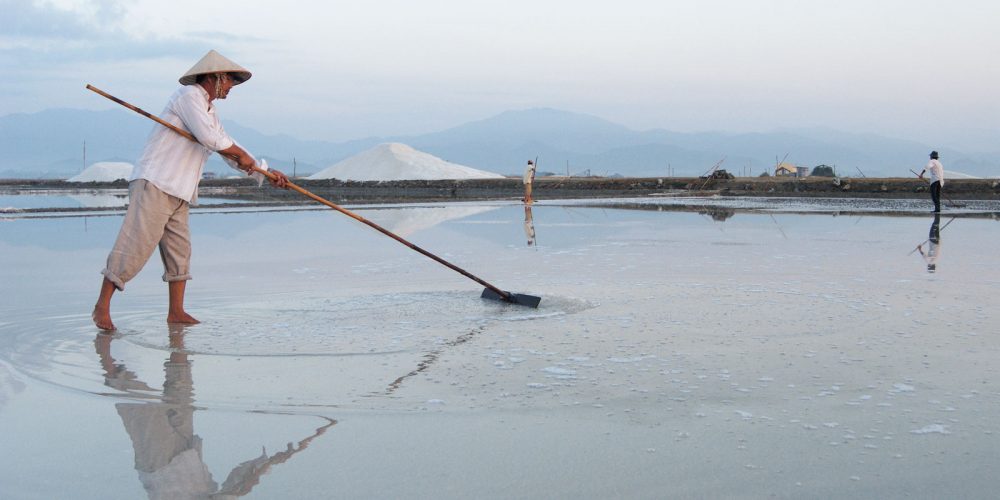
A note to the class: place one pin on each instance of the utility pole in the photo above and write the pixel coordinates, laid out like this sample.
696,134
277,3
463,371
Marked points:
778,163
294,167
84,156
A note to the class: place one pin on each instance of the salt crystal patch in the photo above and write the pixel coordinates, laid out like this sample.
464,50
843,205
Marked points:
932,429
555,370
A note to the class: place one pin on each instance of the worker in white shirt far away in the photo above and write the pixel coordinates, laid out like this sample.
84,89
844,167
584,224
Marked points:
937,179
529,178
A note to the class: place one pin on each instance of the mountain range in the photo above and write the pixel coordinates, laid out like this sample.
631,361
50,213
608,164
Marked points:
57,143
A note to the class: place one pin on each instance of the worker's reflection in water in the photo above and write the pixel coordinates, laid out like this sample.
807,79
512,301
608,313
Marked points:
168,453
933,243
529,225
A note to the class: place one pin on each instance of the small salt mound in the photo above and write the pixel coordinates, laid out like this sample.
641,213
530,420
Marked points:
397,162
104,171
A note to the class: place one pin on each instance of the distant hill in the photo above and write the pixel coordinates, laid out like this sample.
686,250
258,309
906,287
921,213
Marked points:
50,144
574,142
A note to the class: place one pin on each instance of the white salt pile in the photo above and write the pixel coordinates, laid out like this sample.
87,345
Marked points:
396,162
951,174
104,171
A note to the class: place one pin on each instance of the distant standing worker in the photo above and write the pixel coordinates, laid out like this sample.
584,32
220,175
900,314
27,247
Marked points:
937,179
165,182
529,178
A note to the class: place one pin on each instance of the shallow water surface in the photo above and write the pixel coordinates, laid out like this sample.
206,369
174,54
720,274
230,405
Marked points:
762,351
12,202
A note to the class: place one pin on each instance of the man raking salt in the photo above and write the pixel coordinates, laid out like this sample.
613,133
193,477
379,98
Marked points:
165,183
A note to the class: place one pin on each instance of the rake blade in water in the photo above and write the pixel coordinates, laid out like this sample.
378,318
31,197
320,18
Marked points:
514,298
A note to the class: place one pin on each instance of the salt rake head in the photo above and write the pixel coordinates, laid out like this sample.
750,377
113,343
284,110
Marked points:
512,298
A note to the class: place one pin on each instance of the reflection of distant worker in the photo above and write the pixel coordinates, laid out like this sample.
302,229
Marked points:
937,179
529,225
168,454
933,245
529,178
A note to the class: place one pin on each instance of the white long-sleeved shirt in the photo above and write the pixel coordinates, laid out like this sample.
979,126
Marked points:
936,170
172,162
529,174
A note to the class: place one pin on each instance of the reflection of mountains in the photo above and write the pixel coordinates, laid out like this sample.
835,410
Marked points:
719,209
408,221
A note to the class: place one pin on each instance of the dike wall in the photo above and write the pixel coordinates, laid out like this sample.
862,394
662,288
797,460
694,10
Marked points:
550,188
595,187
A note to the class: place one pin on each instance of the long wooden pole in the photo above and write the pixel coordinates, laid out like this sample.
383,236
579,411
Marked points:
291,185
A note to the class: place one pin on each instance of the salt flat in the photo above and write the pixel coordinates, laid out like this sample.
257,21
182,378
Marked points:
805,354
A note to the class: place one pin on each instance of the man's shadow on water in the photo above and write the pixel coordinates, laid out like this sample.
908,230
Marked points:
168,453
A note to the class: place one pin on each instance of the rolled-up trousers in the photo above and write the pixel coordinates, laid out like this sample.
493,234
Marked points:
153,219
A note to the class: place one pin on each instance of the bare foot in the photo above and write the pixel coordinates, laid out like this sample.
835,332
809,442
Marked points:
102,318
182,318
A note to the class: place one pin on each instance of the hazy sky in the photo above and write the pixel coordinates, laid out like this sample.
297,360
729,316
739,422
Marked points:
915,69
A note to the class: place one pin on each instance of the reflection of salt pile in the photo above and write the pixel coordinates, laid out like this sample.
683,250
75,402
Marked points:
408,221
395,162
104,171
101,200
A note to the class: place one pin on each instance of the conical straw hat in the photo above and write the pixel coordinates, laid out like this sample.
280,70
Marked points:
214,62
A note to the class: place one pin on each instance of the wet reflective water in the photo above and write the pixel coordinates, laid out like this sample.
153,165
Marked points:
772,350
12,201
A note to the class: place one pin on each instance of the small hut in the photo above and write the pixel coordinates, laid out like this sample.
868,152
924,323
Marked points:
785,169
